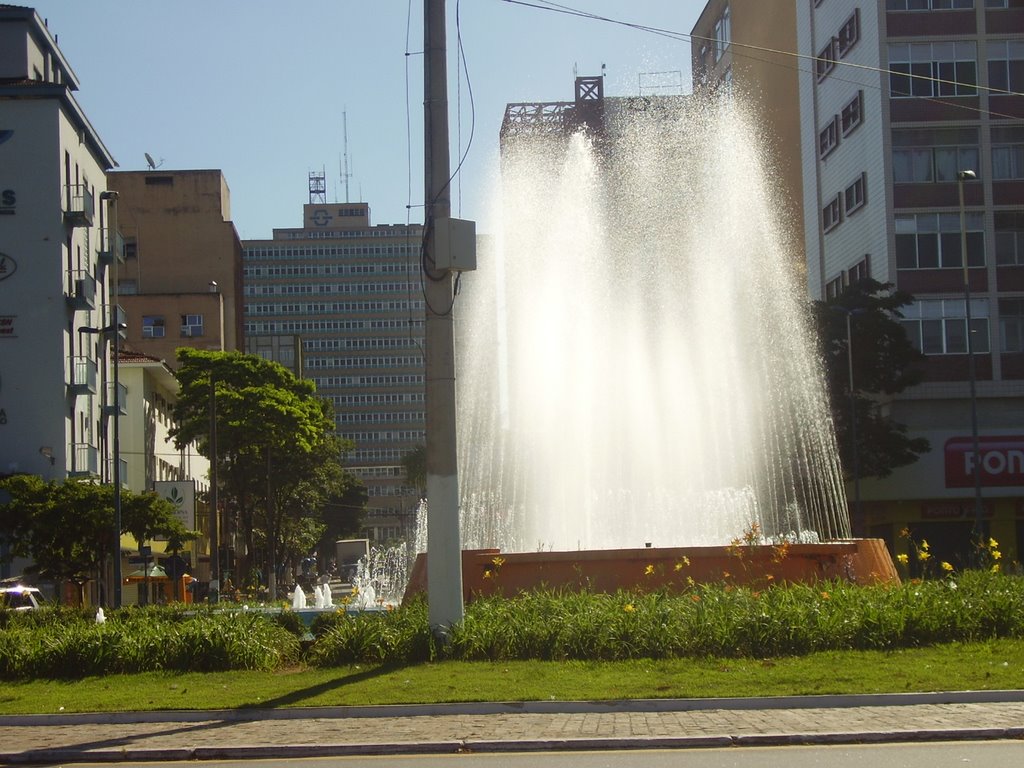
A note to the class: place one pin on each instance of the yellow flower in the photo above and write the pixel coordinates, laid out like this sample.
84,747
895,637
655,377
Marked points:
628,608
695,598
924,544
648,570
825,596
947,566
995,568
726,574
498,561
682,563
904,558
488,573
770,577
992,543
996,554
924,555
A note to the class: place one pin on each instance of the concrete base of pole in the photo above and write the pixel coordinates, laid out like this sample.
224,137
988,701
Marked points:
444,564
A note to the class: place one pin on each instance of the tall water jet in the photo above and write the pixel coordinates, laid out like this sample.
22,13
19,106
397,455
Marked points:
635,360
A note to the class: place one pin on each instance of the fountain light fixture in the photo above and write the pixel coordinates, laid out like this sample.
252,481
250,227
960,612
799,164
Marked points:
961,177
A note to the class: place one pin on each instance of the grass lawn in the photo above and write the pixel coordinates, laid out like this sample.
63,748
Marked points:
994,665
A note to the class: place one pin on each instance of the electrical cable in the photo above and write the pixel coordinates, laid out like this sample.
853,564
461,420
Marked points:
548,5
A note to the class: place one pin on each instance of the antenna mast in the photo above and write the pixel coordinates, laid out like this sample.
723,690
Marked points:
345,175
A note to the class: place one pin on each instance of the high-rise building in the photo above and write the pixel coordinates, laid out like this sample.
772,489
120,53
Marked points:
181,281
55,262
902,105
350,292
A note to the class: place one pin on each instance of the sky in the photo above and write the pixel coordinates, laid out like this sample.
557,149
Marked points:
267,91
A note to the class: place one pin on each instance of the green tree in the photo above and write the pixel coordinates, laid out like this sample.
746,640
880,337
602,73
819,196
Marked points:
277,456
884,363
67,528
415,465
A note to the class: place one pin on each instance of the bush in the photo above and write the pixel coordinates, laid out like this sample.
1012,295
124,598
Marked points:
704,621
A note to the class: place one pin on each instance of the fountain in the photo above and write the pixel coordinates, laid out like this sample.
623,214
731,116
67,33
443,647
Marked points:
636,368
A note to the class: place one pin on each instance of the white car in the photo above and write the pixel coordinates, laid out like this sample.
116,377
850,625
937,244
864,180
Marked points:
20,598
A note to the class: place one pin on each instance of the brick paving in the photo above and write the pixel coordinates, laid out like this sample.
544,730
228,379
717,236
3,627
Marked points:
336,731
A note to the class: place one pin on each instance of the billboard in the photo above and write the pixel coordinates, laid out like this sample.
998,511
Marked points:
1001,464
182,494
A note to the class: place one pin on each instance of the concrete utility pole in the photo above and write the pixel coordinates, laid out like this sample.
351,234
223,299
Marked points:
444,551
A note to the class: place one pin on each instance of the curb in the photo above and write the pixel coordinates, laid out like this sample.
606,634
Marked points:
522,707
284,752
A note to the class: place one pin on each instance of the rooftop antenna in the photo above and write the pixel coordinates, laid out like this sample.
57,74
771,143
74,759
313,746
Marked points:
345,174
151,163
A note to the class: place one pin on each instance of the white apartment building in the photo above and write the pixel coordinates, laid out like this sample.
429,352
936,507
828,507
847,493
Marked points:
902,96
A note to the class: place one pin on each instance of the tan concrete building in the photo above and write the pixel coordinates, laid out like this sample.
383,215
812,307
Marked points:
741,47
181,282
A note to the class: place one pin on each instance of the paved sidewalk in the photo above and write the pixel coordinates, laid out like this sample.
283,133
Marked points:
443,729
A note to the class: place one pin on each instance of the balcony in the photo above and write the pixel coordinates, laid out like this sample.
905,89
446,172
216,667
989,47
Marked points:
84,460
123,468
81,290
81,209
83,376
118,404
107,254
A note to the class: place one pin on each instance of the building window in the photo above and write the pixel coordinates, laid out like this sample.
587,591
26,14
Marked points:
131,248
828,138
826,60
191,325
859,271
1009,238
933,69
852,114
1011,325
1007,152
939,326
849,34
1006,65
932,241
722,34
832,214
932,5
127,287
855,195
152,326
923,155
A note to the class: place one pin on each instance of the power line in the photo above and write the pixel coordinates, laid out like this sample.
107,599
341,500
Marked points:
547,5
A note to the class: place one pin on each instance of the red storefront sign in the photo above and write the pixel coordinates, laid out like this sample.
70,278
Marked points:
1001,464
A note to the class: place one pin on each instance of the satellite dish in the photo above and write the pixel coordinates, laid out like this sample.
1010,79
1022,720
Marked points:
149,161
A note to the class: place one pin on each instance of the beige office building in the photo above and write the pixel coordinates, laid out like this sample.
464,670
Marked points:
181,281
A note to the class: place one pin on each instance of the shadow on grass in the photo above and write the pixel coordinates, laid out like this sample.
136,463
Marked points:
295,698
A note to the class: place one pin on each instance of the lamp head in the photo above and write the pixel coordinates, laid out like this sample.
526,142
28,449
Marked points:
967,175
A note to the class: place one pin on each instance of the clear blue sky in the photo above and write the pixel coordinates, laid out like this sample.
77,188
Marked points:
258,88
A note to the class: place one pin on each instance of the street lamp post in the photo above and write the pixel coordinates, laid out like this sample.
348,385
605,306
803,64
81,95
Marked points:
961,176
853,417
114,330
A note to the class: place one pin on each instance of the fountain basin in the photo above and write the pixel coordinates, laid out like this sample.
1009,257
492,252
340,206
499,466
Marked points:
488,572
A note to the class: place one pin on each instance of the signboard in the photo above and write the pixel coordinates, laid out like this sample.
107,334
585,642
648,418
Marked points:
1001,462
182,494
7,327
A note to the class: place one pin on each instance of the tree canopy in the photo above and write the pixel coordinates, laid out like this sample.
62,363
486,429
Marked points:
278,459
884,363
67,528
